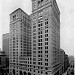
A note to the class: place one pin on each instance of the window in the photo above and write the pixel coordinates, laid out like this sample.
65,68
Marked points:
34,34
46,43
41,72
46,64
39,51
46,60
40,1
46,51
46,73
46,47
34,44
34,41
34,30
39,48
34,62
46,26
41,36
41,24
46,39
34,37
46,22
34,59
46,35
14,17
34,48
39,44
40,40
38,71
34,51
46,31
34,26
38,25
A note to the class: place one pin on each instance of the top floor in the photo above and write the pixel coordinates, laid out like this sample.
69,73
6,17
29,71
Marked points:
18,14
5,36
37,4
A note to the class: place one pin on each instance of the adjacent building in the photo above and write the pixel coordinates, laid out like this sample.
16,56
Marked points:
66,62
71,70
20,43
61,55
45,37
5,43
4,66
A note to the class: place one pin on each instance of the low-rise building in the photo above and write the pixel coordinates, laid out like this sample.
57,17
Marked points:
62,60
66,62
4,67
70,70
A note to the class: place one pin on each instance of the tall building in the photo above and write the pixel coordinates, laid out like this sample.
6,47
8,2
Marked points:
45,37
20,43
5,43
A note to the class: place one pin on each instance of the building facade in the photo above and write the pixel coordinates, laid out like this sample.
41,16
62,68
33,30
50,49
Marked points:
20,43
45,20
5,43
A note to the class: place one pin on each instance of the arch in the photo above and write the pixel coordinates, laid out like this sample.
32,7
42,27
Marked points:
25,73
29,73
13,72
21,73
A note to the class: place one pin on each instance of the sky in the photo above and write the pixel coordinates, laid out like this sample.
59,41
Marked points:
66,16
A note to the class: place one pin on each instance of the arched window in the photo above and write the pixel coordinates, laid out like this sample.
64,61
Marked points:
29,73
24,73
21,73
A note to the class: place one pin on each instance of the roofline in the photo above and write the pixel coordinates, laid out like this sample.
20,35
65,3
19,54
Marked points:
17,10
5,33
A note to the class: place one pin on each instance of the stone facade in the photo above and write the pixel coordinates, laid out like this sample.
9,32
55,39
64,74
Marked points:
20,43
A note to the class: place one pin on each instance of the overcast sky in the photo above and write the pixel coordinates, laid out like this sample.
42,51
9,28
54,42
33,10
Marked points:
67,20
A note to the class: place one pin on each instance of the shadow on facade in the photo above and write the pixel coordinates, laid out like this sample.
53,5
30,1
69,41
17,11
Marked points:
21,73
13,72
24,73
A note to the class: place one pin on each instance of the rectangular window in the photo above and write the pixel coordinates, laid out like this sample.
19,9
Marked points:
46,47
34,37
34,48
34,34
46,31
34,26
14,17
46,43
46,39
34,62
34,41
46,35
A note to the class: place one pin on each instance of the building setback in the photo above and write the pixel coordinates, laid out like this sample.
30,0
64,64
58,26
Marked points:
45,38
20,43
5,43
